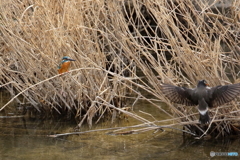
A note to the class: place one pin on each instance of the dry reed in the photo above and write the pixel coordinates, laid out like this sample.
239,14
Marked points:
177,42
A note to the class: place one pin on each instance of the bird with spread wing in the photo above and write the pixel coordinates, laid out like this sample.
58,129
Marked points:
203,96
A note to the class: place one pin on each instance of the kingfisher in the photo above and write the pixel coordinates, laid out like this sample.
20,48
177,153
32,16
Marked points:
204,96
65,64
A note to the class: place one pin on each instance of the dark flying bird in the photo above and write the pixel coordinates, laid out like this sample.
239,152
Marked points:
203,96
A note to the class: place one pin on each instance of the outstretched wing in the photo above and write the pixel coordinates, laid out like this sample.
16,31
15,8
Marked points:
178,95
224,94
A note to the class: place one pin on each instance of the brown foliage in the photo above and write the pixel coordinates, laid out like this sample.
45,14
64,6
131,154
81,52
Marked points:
178,42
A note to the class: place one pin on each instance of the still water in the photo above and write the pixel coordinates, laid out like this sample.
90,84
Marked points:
25,138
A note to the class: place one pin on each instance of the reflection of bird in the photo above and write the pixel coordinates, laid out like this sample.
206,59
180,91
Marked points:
203,96
63,67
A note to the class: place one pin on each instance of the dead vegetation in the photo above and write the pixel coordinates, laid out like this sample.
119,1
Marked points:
177,42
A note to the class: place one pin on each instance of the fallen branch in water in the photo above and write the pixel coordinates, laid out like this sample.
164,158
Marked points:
146,128
2,117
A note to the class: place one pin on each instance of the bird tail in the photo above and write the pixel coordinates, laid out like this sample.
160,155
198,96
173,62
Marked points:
204,118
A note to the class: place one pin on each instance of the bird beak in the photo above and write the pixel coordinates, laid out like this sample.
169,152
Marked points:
71,59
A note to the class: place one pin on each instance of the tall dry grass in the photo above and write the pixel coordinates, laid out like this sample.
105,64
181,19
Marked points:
36,35
178,42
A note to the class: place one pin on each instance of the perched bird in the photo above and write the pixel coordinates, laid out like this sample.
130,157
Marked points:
65,64
203,96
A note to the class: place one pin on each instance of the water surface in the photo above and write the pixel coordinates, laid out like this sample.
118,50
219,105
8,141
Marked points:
24,138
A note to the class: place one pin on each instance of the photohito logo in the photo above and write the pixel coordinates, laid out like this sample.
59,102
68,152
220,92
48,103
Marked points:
232,153
212,153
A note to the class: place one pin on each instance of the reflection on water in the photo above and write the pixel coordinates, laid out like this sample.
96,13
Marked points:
24,138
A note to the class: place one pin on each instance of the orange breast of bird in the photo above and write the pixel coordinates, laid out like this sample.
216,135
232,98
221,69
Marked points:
64,67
